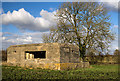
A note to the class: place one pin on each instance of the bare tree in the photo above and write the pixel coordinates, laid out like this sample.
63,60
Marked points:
85,24
45,38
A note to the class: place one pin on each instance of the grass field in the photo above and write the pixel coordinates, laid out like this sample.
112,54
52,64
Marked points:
95,72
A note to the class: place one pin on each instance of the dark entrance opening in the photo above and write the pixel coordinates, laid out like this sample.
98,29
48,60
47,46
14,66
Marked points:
38,54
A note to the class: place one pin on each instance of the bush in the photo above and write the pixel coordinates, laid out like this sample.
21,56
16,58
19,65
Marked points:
4,55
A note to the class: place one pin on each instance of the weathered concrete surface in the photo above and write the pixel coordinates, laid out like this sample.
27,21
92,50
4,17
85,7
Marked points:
58,56
17,53
69,53
53,66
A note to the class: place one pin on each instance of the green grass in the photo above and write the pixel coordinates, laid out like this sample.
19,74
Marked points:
96,72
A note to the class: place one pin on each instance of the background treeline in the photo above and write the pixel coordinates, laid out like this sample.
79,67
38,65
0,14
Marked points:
103,59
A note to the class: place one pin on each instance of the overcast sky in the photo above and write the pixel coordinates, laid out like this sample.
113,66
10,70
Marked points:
25,22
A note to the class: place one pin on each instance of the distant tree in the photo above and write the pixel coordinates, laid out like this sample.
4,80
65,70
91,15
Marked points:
49,38
85,24
116,52
45,38
4,55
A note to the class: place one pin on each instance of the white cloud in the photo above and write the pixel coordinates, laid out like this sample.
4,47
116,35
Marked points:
48,15
111,4
109,0
115,26
24,20
113,45
20,39
1,11
3,38
0,34
51,9
115,30
24,38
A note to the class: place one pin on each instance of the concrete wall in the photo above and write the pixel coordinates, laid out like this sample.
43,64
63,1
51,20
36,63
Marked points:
55,66
69,53
16,53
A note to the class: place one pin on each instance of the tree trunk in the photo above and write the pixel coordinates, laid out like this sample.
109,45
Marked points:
82,53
